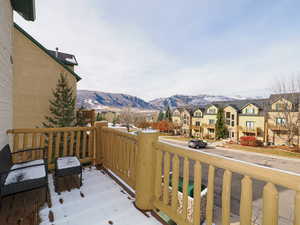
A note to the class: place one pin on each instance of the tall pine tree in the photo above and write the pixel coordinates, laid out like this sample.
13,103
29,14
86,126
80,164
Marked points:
221,129
161,116
62,106
168,114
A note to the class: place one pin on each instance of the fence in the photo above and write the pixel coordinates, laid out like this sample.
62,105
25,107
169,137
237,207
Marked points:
67,141
120,153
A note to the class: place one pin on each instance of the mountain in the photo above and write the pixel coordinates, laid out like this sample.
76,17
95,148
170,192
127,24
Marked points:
110,101
189,100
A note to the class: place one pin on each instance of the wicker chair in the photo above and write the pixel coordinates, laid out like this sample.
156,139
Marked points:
21,177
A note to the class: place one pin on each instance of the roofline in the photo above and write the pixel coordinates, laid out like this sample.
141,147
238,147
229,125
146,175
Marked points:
78,78
24,8
250,103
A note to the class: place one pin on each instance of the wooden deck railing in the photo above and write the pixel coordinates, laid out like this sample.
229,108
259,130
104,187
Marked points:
67,141
120,153
167,155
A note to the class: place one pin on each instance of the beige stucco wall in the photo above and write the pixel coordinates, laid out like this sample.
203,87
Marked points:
6,74
35,76
259,122
233,130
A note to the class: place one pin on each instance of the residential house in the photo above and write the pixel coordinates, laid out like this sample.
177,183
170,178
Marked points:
209,120
197,119
36,73
26,9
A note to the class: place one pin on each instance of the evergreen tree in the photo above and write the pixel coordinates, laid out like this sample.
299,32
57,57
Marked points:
221,129
62,106
99,117
161,116
168,114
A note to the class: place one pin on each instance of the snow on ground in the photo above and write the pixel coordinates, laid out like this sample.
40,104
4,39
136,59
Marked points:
104,202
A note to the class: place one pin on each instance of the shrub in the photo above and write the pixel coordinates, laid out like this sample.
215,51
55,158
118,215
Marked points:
250,141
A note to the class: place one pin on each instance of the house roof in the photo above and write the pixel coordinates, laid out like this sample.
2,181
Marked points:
65,58
78,78
293,97
26,8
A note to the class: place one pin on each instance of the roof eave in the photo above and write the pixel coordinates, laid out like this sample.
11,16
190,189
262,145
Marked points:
26,8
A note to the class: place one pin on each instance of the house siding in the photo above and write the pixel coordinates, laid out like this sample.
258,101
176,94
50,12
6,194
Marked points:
35,76
6,77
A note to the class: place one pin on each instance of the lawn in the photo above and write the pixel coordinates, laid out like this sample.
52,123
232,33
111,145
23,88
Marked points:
265,150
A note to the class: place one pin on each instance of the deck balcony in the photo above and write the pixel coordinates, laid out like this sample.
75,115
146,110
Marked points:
251,130
125,183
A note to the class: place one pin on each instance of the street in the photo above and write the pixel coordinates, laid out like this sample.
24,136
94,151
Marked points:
286,197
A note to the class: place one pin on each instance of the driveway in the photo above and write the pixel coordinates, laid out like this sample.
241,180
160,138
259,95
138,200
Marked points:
286,197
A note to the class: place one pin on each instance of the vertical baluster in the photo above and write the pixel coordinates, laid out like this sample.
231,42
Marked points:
65,149
50,143
16,143
34,145
158,173
72,143
57,145
91,141
210,195
42,145
226,195
246,201
25,145
297,209
83,151
197,192
270,205
78,136
175,179
166,178
186,166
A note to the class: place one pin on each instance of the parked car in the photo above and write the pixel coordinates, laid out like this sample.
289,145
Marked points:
195,143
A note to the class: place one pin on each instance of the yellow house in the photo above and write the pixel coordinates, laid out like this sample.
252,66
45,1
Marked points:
252,121
231,121
197,119
209,121
36,71
186,119
282,126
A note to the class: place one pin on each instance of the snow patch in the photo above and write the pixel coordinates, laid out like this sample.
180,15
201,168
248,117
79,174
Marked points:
67,162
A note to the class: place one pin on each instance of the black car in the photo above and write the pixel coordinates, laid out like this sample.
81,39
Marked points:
197,144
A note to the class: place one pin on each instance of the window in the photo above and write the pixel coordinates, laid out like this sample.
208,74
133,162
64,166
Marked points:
212,111
249,111
232,134
232,123
279,106
232,116
280,121
228,115
250,124
197,123
197,114
211,121
228,122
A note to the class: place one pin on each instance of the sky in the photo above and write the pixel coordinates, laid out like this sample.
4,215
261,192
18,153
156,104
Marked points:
156,48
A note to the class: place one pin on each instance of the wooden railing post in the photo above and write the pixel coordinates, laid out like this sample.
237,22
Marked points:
145,170
98,151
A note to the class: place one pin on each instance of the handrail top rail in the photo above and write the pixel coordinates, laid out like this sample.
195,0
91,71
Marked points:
120,133
283,178
47,130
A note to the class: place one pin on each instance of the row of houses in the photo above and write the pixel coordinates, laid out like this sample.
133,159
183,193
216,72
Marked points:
266,119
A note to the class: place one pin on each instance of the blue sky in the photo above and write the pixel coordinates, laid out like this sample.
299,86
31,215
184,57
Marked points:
159,48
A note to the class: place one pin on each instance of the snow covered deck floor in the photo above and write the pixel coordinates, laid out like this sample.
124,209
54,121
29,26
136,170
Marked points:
99,201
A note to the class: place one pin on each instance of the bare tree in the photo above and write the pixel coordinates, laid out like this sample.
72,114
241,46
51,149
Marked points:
127,117
287,93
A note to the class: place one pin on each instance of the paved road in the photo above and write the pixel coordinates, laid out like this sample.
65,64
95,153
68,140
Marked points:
286,197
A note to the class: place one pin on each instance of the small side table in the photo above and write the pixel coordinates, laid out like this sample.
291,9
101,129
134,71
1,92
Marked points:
67,166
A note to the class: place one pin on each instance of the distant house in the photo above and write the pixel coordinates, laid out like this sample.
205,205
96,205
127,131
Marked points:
36,72
26,9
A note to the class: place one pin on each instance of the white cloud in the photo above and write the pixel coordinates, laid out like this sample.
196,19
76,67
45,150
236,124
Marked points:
117,57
